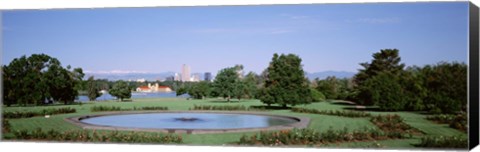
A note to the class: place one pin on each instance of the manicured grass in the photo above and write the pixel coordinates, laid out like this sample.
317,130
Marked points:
318,122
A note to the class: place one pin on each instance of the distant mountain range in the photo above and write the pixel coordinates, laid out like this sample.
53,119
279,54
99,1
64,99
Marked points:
325,74
130,76
162,76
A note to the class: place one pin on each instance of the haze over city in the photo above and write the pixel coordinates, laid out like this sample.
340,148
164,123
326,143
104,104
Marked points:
154,40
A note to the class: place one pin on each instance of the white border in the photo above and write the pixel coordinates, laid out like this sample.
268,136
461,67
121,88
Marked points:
82,147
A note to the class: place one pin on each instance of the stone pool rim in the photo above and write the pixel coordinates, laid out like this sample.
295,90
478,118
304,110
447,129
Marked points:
302,122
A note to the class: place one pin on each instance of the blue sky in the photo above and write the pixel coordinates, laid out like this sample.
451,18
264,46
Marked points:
326,36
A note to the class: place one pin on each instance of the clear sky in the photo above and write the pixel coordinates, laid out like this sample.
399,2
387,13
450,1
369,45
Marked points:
326,36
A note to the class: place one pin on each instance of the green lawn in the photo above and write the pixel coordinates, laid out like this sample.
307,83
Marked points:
317,122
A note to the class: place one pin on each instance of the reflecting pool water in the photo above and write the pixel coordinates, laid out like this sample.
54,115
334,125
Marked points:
189,121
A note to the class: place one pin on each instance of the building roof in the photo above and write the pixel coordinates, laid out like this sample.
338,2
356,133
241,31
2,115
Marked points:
163,87
144,88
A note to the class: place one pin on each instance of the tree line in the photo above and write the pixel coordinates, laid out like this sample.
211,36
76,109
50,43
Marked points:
384,82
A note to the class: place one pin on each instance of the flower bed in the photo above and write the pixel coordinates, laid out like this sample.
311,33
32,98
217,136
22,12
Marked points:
394,126
223,108
114,108
311,137
458,121
5,126
343,113
444,142
441,118
151,108
85,136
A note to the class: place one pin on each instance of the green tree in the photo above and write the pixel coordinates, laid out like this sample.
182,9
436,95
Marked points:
37,79
446,85
240,89
180,91
414,88
346,90
317,96
225,82
286,83
121,90
385,61
386,91
251,85
329,87
93,91
199,90
61,85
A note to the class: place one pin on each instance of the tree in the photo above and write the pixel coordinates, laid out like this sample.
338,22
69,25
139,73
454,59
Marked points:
329,87
387,60
93,91
386,91
37,79
225,82
286,83
199,90
240,89
251,81
121,90
61,85
346,90
180,91
317,95
414,88
446,85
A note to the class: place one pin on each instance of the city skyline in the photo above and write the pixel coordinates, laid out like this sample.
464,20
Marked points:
333,37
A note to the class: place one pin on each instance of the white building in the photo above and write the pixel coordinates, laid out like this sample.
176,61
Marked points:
195,78
153,88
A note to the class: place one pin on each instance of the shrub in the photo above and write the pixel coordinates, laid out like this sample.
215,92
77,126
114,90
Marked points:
343,113
460,122
63,110
29,114
106,108
444,142
317,96
18,114
5,126
151,108
85,136
225,107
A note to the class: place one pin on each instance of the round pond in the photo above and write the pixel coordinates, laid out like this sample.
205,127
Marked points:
189,120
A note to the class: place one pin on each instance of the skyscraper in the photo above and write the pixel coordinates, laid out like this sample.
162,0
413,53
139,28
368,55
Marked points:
185,73
208,76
